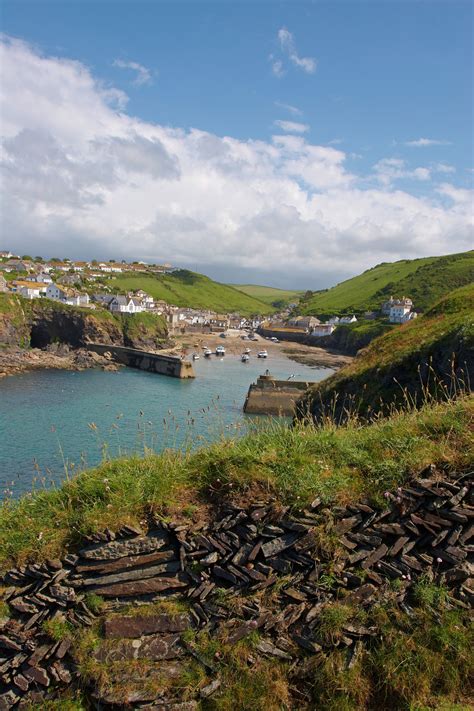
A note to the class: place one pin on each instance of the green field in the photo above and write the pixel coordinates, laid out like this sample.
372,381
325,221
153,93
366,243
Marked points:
269,294
430,356
186,288
423,280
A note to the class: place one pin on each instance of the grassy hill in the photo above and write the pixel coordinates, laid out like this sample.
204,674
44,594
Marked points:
425,358
269,294
186,288
424,280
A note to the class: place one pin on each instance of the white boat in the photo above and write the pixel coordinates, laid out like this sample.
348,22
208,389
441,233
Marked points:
247,350
245,357
220,351
195,356
262,354
207,352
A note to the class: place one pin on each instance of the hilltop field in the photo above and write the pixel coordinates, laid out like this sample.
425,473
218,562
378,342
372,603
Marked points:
425,281
270,295
186,288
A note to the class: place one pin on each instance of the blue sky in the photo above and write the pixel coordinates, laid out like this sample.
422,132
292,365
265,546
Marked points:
363,79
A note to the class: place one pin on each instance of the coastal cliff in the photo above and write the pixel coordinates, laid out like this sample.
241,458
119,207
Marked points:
41,322
44,325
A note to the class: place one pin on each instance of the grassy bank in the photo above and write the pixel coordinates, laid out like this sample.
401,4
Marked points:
292,465
425,281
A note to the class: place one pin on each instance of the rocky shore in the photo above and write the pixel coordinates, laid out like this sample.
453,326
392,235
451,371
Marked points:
258,569
14,361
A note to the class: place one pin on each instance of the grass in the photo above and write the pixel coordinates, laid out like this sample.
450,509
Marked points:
425,281
269,294
430,356
186,288
294,465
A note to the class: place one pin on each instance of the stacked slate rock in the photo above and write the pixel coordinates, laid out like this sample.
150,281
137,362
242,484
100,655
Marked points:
426,529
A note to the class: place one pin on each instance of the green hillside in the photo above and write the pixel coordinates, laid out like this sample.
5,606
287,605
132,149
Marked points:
186,288
431,356
269,294
423,280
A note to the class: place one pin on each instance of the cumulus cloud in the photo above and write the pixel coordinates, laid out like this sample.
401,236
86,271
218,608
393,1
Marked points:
425,142
142,74
287,45
388,170
82,177
292,126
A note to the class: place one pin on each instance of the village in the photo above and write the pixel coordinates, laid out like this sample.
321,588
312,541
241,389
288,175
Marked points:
81,284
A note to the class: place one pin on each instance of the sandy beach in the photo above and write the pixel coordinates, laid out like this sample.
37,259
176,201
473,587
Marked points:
235,345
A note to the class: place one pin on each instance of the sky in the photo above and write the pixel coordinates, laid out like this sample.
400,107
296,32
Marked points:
293,144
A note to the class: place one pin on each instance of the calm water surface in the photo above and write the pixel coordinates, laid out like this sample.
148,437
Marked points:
51,420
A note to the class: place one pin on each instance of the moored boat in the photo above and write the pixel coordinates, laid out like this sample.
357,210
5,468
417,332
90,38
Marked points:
195,356
220,351
207,352
262,354
245,357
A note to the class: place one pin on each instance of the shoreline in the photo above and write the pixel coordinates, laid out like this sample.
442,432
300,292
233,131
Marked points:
16,361
300,353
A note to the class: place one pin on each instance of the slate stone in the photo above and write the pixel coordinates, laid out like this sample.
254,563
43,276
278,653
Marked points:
153,648
136,626
127,563
139,574
267,647
363,594
276,545
7,643
38,675
122,549
209,689
375,556
140,587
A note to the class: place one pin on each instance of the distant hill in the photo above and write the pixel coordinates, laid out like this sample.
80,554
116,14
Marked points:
428,357
423,280
186,288
269,294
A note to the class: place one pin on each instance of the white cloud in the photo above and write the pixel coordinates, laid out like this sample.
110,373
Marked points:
425,142
84,178
444,168
388,170
292,126
143,75
277,67
288,49
288,107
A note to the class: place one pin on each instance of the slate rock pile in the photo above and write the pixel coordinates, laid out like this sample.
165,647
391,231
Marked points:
426,529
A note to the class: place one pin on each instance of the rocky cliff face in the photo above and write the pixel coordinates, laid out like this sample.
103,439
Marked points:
53,324
40,323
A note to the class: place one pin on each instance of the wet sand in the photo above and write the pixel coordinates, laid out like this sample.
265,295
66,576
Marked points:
235,345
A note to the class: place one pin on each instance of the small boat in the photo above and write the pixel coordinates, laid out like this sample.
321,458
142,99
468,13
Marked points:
207,353
262,354
220,351
247,350
245,357
195,356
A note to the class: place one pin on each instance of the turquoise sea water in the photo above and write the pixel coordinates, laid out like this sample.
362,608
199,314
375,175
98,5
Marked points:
51,420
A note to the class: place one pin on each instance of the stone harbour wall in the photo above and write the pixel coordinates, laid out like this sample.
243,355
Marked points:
143,360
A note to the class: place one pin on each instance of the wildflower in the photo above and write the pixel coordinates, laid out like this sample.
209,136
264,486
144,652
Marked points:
439,560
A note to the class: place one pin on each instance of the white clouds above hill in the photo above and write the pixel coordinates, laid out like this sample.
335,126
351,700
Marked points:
84,178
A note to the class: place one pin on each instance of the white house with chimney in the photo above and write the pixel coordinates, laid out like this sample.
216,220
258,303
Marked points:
401,311
126,305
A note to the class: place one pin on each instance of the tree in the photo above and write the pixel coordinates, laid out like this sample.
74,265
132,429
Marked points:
27,258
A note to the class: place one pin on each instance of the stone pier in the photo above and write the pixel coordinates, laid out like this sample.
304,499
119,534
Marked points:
152,362
269,396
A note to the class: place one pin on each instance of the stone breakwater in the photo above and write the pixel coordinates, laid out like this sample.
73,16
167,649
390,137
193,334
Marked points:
425,530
